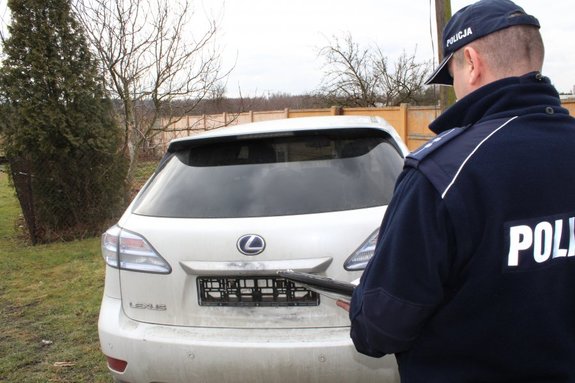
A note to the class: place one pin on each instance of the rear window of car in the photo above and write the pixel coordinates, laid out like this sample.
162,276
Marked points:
274,175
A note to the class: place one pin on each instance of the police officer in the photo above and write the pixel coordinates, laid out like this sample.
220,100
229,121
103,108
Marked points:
473,277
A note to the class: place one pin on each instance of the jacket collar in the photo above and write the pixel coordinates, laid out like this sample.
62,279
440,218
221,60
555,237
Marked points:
507,97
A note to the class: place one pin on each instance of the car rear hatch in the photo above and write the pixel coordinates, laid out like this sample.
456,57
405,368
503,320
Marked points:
221,217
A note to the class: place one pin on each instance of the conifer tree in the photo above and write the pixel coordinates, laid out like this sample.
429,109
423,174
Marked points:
58,123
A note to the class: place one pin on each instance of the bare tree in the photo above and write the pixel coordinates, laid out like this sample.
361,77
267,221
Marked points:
364,77
4,21
151,61
348,73
405,83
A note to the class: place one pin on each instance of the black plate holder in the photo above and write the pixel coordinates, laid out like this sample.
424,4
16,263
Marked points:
246,291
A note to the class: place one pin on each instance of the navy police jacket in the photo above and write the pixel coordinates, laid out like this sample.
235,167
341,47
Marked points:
473,278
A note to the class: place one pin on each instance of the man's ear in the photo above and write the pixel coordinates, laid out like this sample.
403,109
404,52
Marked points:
474,67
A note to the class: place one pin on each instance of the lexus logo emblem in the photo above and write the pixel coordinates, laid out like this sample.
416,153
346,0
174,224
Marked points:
251,244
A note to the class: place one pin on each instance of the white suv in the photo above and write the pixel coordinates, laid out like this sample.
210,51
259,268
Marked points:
191,291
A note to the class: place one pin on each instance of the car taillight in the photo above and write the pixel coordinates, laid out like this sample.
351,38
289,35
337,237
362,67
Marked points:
110,246
129,251
358,260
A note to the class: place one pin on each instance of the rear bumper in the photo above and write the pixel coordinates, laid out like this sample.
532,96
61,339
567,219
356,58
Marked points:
187,354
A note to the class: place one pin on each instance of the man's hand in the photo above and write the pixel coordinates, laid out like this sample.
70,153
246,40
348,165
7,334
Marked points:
343,304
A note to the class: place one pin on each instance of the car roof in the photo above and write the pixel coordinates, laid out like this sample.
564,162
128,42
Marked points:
292,125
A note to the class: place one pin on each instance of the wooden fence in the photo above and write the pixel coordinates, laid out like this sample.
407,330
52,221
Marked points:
411,122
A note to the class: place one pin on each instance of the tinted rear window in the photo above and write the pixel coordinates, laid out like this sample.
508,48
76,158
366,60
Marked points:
307,173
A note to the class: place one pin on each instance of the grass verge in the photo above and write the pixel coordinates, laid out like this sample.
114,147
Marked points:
49,302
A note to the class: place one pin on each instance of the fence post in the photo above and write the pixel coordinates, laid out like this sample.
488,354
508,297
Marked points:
21,171
403,115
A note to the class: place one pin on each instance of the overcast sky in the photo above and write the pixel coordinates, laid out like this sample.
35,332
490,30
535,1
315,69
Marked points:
274,43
